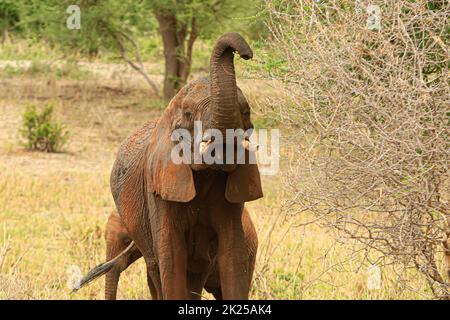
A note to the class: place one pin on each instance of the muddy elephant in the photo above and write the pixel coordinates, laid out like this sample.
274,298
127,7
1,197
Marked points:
119,245
187,218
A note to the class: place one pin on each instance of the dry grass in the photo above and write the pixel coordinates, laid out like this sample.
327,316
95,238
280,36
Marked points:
53,207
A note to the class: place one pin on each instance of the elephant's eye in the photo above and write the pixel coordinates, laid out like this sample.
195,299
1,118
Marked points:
188,114
246,113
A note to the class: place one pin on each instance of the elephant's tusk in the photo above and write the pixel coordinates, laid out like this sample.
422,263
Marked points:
247,145
204,145
252,147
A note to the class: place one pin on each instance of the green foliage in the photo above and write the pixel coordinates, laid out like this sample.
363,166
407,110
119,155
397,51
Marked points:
9,14
102,20
40,132
249,18
214,17
151,47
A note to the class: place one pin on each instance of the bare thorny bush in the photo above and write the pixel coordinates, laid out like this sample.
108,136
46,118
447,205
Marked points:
368,112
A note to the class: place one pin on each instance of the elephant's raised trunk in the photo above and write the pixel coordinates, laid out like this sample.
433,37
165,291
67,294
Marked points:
223,80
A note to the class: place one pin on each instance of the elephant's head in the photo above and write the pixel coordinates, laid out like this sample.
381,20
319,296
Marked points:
220,105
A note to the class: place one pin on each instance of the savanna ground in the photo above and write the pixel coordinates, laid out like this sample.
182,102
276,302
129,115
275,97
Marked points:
53,207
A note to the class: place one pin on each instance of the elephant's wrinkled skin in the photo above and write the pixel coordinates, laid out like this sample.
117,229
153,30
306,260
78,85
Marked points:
187,219
117,241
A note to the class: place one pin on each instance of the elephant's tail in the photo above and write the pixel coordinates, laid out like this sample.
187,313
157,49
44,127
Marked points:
101,269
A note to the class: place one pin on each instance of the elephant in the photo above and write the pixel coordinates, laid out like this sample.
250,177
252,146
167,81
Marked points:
187,219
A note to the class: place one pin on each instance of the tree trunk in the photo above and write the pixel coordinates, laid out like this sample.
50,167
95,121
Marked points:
177,53
168,30
186,67
5,35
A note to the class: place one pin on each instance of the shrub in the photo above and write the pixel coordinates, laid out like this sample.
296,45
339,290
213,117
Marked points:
366,99
40,132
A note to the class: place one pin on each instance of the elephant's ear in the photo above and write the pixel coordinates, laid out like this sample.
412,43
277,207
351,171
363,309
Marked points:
173,182
244,184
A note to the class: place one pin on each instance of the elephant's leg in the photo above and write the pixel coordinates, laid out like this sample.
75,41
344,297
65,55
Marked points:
153,277
232,255
117,240
135,217
113,249
151,287
171,248
251,268
251,240
111,283
234,271
113,276
172,253
154,280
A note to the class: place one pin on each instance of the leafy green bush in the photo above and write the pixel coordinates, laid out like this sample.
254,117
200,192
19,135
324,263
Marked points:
40,132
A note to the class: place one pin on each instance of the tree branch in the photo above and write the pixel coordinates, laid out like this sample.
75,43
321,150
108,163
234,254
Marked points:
138,67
